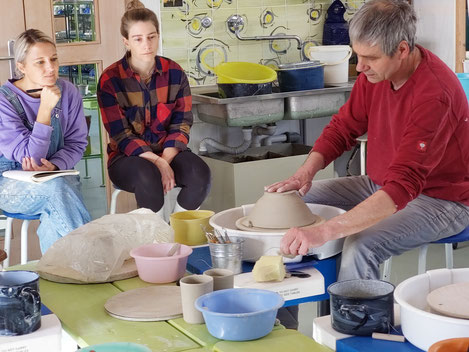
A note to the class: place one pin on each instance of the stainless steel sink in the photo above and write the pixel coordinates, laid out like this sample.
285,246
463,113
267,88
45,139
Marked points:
313,103
268,108
237,112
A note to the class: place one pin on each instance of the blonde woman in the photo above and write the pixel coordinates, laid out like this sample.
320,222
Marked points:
43,128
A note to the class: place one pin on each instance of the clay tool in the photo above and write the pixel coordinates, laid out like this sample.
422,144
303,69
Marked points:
295,273
219,237
33,90
227,238
388,337
173,249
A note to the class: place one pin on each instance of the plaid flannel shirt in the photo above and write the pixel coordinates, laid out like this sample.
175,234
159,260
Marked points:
140,117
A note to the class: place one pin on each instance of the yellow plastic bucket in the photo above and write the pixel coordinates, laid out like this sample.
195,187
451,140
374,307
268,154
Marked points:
188,226
244,72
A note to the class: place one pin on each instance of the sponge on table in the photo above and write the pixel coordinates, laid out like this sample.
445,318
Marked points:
269,268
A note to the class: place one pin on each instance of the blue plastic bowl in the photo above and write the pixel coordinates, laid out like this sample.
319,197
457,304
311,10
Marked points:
239,314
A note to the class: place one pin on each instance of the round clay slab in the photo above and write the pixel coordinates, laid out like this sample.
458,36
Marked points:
151,303
451,300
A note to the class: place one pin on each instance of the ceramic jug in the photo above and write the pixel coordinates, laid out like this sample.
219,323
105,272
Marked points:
20,303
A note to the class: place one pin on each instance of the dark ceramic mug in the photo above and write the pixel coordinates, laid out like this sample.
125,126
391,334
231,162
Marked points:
20,303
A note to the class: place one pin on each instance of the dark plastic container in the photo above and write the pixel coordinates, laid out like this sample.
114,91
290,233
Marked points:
300,76
233,90
361,307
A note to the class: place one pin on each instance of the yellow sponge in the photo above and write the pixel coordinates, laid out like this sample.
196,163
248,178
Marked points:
269,268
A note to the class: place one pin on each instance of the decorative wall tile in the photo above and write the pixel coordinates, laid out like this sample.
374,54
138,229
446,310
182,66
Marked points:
196,35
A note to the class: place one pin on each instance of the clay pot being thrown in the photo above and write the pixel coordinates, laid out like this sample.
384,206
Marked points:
278,212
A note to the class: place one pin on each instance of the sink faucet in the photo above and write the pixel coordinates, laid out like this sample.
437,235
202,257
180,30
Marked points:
236,24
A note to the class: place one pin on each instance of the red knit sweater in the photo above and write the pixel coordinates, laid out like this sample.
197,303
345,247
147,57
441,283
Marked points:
418,136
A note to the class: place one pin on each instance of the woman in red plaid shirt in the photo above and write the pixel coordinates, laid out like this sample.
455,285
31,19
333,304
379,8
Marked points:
146,103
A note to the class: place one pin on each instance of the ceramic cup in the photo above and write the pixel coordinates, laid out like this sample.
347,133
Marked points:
192,287
222,278
189,226
20,303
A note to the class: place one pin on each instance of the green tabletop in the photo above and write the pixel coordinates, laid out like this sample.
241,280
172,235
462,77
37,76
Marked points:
80,308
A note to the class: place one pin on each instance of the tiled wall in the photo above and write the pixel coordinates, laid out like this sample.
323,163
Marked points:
198,49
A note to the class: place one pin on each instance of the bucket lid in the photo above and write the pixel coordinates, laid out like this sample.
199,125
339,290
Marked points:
300,65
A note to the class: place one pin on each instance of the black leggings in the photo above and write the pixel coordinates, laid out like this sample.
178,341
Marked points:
141,177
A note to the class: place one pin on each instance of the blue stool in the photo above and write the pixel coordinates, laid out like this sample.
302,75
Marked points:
24,235
449,242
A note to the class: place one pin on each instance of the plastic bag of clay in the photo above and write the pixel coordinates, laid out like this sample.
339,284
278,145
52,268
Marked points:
99,251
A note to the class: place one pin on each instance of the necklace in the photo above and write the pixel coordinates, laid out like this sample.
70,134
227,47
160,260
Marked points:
142,76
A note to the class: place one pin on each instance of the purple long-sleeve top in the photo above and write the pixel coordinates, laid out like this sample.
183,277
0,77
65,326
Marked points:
17,142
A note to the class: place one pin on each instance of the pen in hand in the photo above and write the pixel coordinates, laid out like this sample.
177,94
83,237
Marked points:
33,90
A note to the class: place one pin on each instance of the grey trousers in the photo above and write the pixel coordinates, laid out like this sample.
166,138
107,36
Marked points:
423,220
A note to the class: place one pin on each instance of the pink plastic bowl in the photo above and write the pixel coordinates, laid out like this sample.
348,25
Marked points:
154,266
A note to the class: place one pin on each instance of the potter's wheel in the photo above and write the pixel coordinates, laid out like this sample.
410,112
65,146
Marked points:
245,224
267,242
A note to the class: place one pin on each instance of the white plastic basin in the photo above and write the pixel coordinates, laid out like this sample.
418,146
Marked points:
257,244
419,325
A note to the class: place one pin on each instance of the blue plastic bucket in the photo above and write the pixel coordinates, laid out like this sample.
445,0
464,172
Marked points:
239,314
300,76
464,79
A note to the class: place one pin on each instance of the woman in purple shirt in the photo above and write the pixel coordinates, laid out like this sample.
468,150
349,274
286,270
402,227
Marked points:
42,130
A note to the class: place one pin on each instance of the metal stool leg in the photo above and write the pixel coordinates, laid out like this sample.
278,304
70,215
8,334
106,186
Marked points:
449,255
422,267
363,158
112,208
24,241
8,232
387,269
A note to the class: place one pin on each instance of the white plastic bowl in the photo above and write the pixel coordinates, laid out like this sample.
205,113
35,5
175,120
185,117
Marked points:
257,244
419,325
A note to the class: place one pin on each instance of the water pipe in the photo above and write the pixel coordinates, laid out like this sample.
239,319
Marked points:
247,133
259,133
289,137
236,24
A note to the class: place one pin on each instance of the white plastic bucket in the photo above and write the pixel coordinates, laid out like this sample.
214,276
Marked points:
335,59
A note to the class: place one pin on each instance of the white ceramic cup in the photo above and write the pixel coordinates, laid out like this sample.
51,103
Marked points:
222,278
192,287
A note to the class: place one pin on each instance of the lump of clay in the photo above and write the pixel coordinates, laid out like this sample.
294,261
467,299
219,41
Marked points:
269,268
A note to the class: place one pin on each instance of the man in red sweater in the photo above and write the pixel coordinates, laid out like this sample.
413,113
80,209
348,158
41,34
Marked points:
416,115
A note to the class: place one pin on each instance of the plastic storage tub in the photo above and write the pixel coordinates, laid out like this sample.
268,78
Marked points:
419,325
464,79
